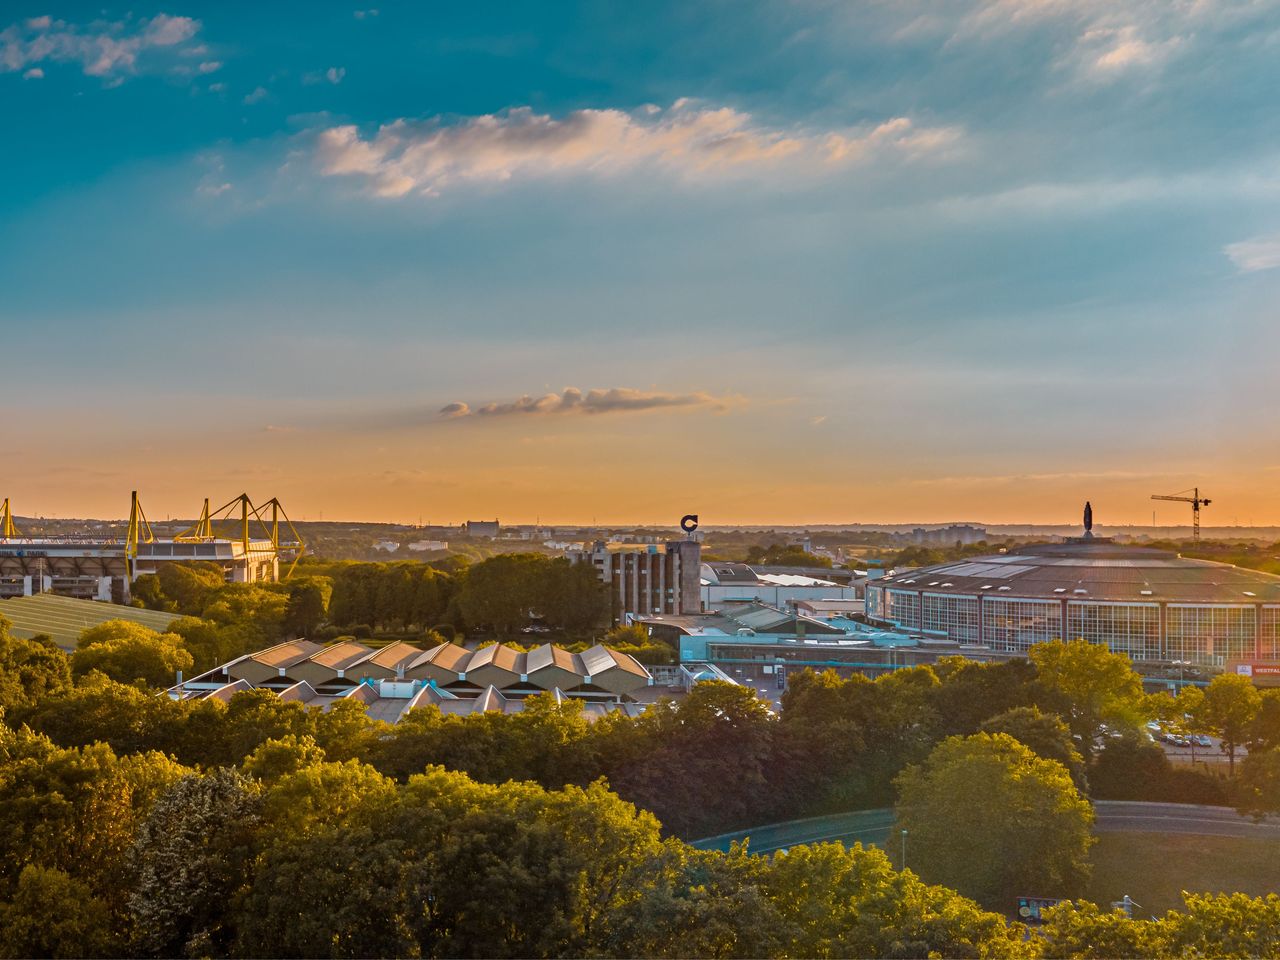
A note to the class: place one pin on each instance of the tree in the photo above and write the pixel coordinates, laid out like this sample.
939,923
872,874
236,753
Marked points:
1090,687
988,817
696,903
701,765
1046,734
1224,925
1083,931
1230,707
307,606
131,653
972,691
192,853
838,902
1259,785
30,670
52,914
1264,733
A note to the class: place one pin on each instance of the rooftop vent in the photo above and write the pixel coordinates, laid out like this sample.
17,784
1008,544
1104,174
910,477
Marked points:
1059,589
1146,593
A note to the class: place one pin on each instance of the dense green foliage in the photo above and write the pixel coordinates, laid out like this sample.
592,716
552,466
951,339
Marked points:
138,825
986,815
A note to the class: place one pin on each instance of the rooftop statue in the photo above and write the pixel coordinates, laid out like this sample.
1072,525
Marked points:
1088,517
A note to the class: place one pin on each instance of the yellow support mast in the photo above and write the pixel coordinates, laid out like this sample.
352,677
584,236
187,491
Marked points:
139,530
202,531
7,529
273,531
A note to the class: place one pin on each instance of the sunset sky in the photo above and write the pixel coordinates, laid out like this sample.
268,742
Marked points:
766,262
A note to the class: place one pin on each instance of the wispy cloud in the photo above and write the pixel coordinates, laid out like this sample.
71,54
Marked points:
1258,253
574,401
101,49
333,75
687,138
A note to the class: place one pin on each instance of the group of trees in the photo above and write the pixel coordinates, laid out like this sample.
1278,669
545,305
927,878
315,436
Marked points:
140,825
498,596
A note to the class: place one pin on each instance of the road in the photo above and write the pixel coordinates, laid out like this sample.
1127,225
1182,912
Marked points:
1113,816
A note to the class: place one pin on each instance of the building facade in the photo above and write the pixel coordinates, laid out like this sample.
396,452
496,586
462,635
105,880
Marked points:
647,579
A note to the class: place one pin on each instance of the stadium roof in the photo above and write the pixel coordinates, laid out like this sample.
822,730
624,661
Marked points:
65,618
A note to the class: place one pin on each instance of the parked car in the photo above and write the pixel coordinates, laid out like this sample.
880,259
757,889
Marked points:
1202,740
1178,740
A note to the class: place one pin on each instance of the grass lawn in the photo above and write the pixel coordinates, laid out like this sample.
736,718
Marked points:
1154,868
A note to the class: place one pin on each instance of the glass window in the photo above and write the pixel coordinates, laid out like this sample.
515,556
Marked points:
957,617
1209,635
1013,626
1129,628
903,608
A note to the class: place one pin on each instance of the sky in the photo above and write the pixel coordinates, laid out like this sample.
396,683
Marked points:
789,262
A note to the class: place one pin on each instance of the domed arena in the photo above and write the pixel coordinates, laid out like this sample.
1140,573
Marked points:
1152,605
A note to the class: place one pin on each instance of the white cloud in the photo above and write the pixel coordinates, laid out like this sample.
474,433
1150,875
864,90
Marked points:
1258,253
361,14
210,66
101,49
573,400
686,139
258,94
35,73
332,75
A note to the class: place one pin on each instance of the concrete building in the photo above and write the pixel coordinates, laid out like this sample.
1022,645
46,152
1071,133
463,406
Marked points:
646,579
482,528
723,582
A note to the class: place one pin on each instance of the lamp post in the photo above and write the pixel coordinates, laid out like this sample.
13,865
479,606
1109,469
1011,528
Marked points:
904,848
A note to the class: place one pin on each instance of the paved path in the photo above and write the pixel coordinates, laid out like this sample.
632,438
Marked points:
1113,816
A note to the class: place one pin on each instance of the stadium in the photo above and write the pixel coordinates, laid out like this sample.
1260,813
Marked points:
1151,605
105,567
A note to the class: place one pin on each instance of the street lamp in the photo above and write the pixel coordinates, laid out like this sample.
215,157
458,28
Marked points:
904,848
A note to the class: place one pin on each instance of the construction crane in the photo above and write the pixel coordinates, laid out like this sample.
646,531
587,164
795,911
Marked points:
1196,502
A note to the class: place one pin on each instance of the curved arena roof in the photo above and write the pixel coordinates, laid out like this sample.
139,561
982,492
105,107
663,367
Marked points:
1097,569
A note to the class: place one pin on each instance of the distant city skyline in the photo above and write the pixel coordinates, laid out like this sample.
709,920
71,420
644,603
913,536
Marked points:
775,262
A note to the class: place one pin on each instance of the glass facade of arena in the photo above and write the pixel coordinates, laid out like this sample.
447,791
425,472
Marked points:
1209,634
956,616
1129,628
1269,633
903,608
1013,625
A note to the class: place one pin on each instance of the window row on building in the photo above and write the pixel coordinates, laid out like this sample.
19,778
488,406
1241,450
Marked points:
1205,633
